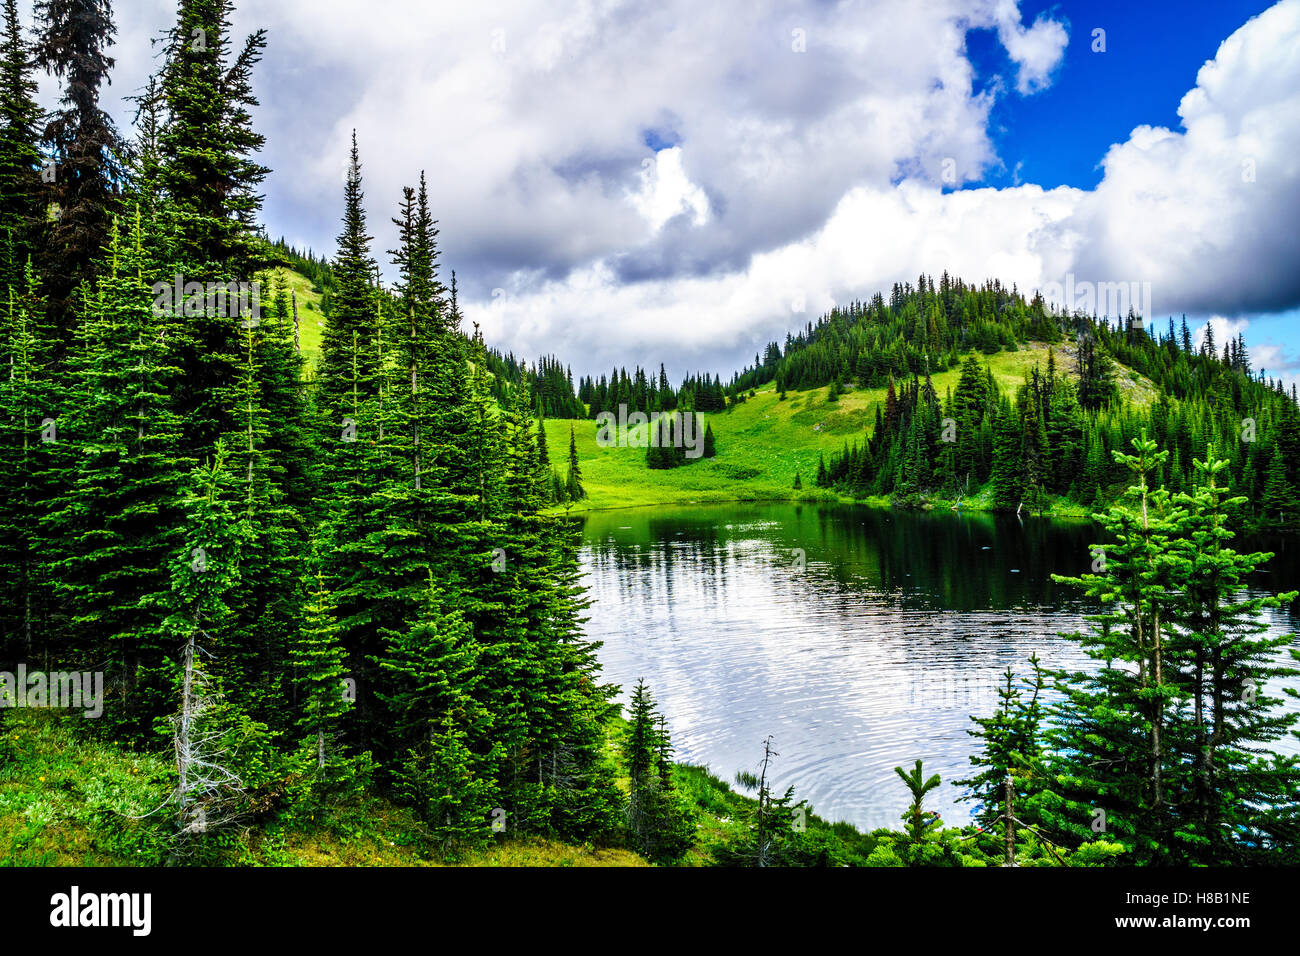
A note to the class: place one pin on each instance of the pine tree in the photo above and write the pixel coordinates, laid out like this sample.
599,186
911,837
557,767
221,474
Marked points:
918,822
87,152
1279,506
1115,735
1007,478
208,790
771,839
353,305
113,519
209,140
543,455
22,198
1235,802
662,826
28,437
269,594
1011,742
318,664
573,489
1096,373
639,756
433,672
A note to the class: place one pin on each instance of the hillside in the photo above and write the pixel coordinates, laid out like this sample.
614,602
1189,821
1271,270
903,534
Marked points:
763,441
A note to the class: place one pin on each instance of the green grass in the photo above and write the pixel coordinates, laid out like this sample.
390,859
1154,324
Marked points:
67,799
311,321
763,442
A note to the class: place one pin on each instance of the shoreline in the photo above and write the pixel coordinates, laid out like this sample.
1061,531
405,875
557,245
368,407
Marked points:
831,498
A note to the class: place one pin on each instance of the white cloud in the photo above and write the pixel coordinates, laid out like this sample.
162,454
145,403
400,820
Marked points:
1037,50
665,191
972,232
792,177
1207,215
1172,210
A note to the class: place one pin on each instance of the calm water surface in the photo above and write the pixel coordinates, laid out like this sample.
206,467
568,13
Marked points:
896,628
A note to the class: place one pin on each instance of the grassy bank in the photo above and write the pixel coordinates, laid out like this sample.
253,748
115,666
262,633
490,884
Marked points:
67,799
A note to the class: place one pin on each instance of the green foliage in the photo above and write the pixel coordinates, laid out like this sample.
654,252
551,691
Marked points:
1011,743
661,824
1160,749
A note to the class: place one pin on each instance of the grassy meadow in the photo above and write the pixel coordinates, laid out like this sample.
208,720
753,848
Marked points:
763,442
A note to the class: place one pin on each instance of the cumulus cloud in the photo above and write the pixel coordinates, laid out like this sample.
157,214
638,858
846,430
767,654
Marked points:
533,118
1037,50
971,232
1207,214
1181,210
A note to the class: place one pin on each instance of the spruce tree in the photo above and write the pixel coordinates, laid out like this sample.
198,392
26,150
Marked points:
22,196
113,518
353,306
573,489
208,789
1234,799
29,433
1011,743
319,674
88,154
1117,731
209,141
771,839
1278,506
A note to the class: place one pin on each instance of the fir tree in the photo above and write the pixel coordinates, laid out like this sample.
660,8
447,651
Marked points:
320,676
209,141
353,304
1235,801
1011,742
1116,731
573,489
87,152
22,199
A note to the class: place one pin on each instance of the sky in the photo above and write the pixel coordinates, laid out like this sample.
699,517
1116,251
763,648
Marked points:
623,183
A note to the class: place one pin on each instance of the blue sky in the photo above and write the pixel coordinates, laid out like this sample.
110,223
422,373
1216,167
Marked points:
1153,51
619,182
1152,54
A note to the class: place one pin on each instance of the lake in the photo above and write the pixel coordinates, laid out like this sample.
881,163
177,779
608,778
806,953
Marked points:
859,638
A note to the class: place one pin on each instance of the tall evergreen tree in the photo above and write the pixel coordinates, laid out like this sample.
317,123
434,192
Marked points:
353,305
209,140
573,481
88,154
22,198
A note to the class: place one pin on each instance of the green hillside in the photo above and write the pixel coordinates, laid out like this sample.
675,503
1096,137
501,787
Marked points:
311,321
763,442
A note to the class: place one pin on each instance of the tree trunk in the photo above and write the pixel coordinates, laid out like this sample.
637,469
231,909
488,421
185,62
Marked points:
1010,859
